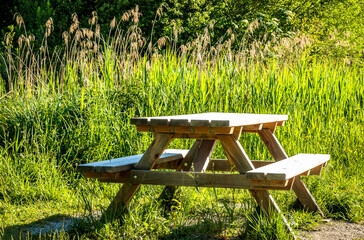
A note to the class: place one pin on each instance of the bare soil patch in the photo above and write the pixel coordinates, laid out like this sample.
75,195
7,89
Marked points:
335,230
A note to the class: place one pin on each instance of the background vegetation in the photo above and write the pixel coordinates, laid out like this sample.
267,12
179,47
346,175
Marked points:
335,25
67,99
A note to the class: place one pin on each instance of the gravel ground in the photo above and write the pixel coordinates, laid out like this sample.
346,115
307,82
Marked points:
335,230
328,230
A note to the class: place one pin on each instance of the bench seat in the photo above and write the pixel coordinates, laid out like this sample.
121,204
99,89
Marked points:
127,163
288,168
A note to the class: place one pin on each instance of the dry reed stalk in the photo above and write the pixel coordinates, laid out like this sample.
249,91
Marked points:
125,49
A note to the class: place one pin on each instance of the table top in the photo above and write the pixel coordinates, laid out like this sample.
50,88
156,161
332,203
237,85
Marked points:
212,119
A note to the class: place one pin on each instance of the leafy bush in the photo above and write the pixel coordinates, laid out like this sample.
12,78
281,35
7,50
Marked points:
334,25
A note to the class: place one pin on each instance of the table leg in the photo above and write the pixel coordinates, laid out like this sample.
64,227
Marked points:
299,187
201,159
198,158
127,191
235,151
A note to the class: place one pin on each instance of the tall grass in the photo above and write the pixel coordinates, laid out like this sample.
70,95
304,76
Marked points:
62,108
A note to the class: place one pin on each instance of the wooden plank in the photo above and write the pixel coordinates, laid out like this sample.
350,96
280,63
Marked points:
127,191
179,122
273,145
271,126
112,165
201,159
100,175
200,123
172,155
186,129
140,121
237,132
154,151
265,182
299,187
127,163
252,128
260,163
305,197
273,183
220,165
161,129
120,201
317,170
237,154
289,168
193,130
220,123
196,136
144,128
171,179
194,179
190,179
201,132
159,121
215,165
211,119
168,165
223,165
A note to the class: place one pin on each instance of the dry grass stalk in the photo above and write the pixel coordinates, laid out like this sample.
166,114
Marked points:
86,50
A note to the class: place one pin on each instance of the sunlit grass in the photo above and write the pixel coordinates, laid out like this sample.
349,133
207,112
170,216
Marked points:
72,107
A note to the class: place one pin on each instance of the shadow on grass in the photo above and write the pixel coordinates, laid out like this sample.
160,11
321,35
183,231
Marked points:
202,230
43,228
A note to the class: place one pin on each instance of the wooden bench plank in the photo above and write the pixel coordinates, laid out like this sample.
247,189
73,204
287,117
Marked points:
190,179
290,167
127,163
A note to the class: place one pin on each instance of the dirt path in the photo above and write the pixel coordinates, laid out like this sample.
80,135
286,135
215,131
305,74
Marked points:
335,230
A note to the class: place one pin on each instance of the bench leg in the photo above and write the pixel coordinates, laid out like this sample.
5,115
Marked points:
237,155
267,203
127,191
198,157
299,187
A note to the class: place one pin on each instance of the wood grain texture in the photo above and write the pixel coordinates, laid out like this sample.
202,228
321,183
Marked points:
273,145
201,159
299,187
210,120
289,168
215,165
236,153
154,151
186,129
273,183
223,165
190,156
127,163
191,179
174,179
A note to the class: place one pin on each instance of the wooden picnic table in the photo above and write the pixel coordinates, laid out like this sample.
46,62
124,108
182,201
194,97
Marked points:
193,166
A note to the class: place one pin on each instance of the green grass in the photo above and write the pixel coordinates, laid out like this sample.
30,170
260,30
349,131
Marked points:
71,112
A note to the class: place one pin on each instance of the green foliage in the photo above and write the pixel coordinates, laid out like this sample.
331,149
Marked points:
74,106
335,26
258,226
